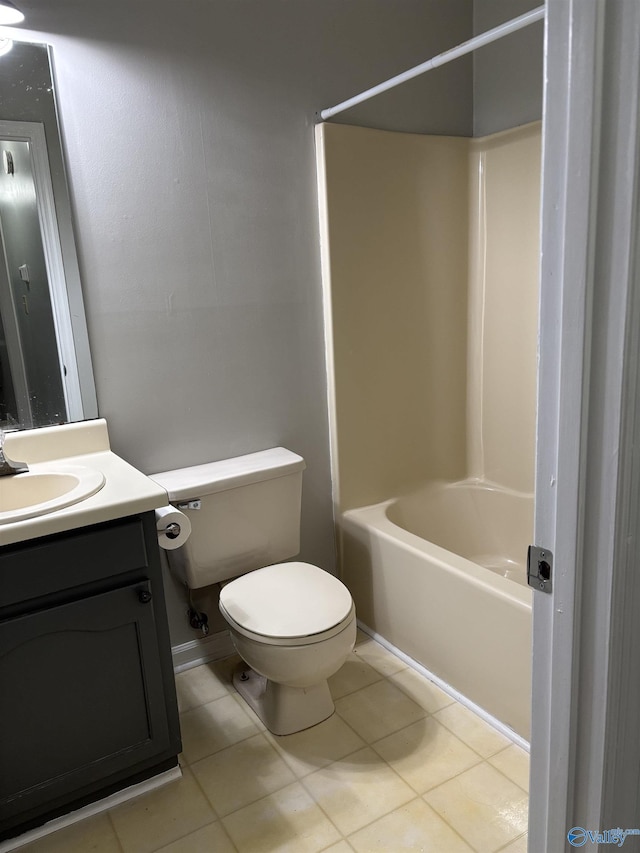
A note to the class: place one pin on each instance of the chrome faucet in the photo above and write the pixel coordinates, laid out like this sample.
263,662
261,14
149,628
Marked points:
8,466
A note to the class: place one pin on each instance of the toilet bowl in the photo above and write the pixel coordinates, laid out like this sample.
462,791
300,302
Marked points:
292,623
294,626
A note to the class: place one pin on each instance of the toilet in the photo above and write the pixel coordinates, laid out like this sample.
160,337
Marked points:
292,623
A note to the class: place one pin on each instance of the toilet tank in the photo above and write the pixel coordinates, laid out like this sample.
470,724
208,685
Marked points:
244,514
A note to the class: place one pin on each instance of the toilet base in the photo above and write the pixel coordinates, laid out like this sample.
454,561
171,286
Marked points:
284,710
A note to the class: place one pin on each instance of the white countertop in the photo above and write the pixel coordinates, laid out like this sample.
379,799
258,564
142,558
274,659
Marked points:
126,490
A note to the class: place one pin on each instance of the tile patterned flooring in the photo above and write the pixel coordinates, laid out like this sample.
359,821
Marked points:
399,766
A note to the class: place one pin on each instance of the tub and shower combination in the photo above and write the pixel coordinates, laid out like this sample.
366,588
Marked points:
440,574
430,270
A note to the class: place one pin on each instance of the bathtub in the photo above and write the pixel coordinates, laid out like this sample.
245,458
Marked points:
440,574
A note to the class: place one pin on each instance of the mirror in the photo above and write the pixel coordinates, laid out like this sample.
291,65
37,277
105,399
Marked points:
45,363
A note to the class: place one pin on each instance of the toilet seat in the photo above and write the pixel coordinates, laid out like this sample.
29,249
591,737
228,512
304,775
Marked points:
287,604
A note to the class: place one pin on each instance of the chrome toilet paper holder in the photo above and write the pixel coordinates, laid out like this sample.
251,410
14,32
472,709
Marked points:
171,531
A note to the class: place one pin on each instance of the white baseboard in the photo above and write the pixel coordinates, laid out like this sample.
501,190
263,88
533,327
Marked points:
215,647
92,809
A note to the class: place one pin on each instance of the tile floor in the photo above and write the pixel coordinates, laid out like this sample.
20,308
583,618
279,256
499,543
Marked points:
399,766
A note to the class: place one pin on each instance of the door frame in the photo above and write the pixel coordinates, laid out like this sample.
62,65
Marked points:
587,469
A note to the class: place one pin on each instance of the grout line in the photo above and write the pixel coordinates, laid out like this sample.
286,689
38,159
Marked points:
451,827
346,835
380,817
513,841
115,831
263,796
343,835
508,778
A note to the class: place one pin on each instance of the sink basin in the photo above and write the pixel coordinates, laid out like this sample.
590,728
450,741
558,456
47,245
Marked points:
47,487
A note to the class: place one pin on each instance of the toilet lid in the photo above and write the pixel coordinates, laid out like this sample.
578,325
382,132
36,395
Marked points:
287,600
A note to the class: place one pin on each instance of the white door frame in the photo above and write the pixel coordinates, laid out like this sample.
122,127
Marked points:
588,472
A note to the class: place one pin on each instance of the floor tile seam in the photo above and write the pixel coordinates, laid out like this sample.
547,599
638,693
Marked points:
190,763
421,720
222,817
311,795
216,815
513,841
329,846
450,825
193,832
444,781
382,759
431,790
508,778
496,754
415,701
351,729
229,694
328,764
432,787
504,749
466,743
388,734
345,836
466,770
364,686
277,790
387,674
115,831
350,835
454,830
406,692
389,681
182,711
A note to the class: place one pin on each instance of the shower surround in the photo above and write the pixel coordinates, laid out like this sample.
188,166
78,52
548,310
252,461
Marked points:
430,265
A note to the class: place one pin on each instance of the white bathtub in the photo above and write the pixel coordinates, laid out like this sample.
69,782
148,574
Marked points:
440,574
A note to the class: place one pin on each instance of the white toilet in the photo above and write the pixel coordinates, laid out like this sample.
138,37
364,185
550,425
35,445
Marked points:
292,623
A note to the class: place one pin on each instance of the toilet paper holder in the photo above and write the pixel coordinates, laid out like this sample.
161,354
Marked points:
171,531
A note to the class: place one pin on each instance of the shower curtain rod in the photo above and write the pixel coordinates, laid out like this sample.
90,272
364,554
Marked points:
441,59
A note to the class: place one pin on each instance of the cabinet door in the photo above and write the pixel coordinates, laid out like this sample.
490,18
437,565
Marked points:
81,696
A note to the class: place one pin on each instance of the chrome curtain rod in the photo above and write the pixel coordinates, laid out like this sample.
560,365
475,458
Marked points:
441,59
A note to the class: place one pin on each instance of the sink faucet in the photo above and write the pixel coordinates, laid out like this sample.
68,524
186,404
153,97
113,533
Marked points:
8,466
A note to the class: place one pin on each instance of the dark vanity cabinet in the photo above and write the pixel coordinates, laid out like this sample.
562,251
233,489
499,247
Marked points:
87,695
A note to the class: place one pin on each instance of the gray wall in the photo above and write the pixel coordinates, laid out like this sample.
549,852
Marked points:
189,138
508,74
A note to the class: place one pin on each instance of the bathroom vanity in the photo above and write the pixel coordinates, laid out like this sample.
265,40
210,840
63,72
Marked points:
87,695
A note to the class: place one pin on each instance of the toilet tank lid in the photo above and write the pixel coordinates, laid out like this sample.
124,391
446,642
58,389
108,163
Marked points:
189,483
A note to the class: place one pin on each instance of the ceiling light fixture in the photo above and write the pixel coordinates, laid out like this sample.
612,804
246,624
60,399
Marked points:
9,14
5,46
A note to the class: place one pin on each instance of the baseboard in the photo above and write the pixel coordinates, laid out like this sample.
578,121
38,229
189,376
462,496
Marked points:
215,647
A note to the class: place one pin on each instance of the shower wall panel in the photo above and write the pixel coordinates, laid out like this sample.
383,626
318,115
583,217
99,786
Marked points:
504,231
431,253
397,236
